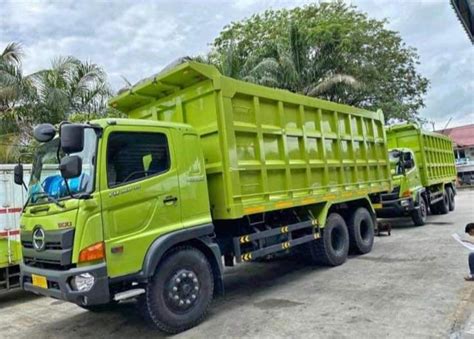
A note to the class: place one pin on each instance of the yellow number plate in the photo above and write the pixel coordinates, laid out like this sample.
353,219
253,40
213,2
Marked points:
377,206
39,281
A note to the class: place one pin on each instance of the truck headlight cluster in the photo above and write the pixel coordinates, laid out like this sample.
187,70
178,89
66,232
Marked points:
83,282
405,203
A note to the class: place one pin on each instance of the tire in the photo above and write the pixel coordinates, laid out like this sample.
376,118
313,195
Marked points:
180,292
333,246
361,231
451,201
443,205
419,215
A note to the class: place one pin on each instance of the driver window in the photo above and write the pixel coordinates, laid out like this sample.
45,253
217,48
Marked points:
134,156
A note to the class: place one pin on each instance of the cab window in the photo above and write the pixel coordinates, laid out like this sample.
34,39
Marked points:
134,156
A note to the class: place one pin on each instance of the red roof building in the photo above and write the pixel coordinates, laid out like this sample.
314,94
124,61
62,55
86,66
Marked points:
463,136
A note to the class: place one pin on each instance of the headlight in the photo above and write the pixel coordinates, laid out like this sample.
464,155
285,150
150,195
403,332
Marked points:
405,203
83,282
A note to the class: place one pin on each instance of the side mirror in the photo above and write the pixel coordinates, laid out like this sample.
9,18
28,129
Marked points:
408,164
18,174
44,132
72,138
70,167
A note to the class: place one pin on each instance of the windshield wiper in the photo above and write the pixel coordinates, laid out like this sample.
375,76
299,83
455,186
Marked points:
50,198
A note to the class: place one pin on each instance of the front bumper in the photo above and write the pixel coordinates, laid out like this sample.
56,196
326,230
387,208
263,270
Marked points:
396,208
59,284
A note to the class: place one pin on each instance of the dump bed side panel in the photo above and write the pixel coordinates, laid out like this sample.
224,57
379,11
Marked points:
268,149
433,152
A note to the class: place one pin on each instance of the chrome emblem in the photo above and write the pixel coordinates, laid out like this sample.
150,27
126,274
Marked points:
39,239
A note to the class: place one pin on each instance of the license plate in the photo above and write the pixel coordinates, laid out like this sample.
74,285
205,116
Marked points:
39,281
377,206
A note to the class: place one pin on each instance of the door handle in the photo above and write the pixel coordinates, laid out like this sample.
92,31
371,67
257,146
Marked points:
170,200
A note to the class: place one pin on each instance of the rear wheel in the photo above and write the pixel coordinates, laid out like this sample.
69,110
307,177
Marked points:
333,246
443,204
451,201
419,215
361,231
180,292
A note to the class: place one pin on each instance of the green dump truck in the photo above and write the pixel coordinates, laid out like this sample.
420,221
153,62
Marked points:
423,174
206,171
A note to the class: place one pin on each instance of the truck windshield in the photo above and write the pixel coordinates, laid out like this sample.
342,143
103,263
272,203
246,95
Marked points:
46,182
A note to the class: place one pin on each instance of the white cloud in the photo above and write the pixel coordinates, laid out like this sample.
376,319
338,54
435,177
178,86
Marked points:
136,39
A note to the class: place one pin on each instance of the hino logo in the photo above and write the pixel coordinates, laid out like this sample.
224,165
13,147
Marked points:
39,239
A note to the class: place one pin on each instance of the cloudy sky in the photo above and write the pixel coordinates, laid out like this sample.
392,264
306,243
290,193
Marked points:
137,38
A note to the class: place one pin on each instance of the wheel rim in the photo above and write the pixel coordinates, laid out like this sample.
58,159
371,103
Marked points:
423,209
182,290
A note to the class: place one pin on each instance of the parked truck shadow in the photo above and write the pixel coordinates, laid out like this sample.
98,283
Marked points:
15,297
243,282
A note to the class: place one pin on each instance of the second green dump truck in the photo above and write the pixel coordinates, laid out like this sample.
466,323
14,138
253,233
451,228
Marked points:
423,174
207,171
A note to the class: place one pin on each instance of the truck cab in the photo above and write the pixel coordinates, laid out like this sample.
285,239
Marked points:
95,209
423,174
403,200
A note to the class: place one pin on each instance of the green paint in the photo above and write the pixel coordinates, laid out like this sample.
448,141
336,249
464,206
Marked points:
433,154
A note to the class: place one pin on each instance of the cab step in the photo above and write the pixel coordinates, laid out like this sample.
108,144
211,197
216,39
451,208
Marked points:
129,294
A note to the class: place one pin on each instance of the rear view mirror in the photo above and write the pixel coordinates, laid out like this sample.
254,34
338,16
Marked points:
71,167
408,164
72,138
44,132
18,174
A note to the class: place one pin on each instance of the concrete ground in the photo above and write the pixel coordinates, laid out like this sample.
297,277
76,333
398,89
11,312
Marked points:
410,285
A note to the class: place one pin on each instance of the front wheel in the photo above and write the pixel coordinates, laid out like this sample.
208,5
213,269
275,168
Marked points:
180,292
419,215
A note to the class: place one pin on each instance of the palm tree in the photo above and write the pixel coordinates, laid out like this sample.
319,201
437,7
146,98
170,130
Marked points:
297,67
71,87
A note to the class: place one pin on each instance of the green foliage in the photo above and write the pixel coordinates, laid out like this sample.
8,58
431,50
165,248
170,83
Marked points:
329,50
69,89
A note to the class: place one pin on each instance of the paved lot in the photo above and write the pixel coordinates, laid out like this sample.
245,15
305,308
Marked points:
410,285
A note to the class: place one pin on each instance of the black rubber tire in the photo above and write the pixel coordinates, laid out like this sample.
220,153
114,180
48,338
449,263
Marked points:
333,246
451,201
419,215
100,308
361,231
434,209
443,205
159,309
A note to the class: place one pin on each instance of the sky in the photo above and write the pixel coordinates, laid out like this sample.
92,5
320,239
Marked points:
135,39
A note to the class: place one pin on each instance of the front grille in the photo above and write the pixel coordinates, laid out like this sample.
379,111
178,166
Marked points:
57,252
394,195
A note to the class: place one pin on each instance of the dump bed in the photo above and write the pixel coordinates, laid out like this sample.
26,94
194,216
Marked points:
433,152
266,149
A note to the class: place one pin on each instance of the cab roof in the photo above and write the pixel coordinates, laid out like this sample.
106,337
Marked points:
140,122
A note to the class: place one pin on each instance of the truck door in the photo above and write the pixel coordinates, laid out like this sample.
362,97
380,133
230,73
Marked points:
139,192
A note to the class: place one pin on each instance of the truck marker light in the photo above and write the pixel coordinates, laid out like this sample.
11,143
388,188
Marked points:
407,193
93,252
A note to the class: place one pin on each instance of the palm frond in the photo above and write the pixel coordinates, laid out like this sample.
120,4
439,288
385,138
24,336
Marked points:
13,53
330,81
